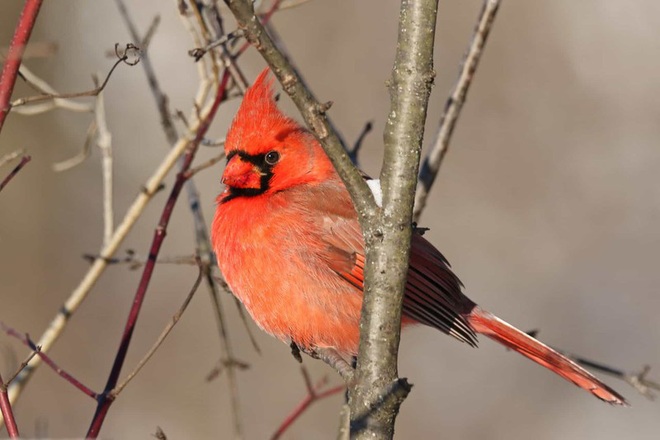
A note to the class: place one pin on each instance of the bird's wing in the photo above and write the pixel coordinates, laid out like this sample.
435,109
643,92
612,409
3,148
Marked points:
433,293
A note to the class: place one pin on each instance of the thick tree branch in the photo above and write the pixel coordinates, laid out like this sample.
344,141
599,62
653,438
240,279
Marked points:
378,392
453,107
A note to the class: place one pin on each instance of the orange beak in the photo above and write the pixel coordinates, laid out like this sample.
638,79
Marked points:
241,174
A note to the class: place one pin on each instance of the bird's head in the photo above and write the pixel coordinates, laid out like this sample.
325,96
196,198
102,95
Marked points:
267,151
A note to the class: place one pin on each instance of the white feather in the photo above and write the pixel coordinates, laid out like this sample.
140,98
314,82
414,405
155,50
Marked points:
374,186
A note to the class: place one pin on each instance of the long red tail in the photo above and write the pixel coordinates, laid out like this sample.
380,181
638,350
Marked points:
491,326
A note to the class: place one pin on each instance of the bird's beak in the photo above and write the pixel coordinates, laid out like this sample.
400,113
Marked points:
241,174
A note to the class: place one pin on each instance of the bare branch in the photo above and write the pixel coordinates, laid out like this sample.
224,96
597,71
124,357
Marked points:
203,247
122,58
225,364
84,152
166,331
198,52
15,171
209,163
637,380
314,394
11,156
15,54
105,399
151,187
355,151
43,87
28,365
23,365
453,107
378,392
104,142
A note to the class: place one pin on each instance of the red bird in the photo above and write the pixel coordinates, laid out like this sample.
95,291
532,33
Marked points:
288,242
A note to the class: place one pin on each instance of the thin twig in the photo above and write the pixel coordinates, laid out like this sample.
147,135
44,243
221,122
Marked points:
225,363
57,325
42,86
15,171
166,331
314,394
80,157
440,146
28,367
638,380
15,54
151,31
11,156
105,399
225,346
135,262
24,364
198,52
150,73
353,153
209,163
122,58
104,142
203,247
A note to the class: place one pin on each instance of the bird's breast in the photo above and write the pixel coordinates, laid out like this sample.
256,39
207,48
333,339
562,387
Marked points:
269,252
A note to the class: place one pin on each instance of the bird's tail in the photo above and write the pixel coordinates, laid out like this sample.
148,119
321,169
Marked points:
491,326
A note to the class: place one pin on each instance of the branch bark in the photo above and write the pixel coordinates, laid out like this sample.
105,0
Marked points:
378,392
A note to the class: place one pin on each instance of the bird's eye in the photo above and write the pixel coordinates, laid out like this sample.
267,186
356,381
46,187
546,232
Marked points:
272,157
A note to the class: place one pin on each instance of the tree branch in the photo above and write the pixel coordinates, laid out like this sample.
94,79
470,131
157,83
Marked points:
106,398
378,392
453,107
151,187
25,339
203,247
24,160
166,331
315,393
7,412
14,56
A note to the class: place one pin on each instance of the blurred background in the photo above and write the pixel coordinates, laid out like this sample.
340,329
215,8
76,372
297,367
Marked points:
547,206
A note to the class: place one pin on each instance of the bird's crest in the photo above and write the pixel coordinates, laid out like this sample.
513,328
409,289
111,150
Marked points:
258,120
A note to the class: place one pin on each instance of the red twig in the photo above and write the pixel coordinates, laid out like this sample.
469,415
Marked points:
313,395
15,54
15,171
105,399
25,339
7,413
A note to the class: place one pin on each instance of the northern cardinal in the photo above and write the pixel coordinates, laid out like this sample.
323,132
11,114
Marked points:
289,245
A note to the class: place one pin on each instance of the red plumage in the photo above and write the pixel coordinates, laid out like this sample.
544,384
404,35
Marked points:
289,244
